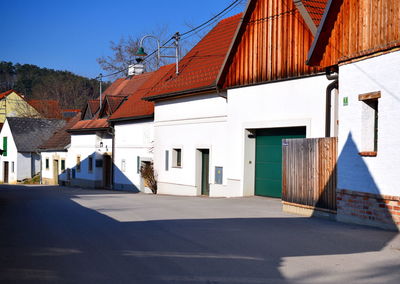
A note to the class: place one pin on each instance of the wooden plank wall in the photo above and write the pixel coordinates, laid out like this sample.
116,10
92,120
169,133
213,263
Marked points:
362,27
309,172
272,44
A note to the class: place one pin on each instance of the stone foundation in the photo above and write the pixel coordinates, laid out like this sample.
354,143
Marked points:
376,210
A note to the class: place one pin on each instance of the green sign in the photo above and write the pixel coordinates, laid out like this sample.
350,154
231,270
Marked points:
345,101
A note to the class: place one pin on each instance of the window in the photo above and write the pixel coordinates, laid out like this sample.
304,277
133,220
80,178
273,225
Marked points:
63,165
137,164
78,163
47,163
123,165
369,124
177,158
90,164
4,146
12,167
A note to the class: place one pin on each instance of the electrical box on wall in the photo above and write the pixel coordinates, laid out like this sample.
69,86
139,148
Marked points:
218,175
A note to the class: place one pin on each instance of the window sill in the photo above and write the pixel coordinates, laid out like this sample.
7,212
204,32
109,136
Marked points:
368,154
177,167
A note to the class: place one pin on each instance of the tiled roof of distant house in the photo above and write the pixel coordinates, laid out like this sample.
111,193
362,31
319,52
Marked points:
91,124
135,107
30,133
47,108
61,138
6,93
199,69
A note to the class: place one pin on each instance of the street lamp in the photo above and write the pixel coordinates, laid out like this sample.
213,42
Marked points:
140,52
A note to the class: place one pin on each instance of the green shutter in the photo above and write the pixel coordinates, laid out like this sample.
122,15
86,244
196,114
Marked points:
5,146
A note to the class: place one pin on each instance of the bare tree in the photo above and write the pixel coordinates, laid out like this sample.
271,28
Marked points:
124,51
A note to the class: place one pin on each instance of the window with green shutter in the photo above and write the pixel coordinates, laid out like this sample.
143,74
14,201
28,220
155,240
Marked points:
5,146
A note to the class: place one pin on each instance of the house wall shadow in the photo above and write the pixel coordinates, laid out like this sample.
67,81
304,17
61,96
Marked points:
359,199
95,178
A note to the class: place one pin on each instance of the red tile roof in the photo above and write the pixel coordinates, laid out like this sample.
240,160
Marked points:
199,69
93,105
47,108
135,107
61,138
316,9
5,94
91,124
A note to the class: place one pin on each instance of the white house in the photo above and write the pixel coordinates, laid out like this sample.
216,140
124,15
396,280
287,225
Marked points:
54,153
190,123
90,156
133,125
368,190
21,138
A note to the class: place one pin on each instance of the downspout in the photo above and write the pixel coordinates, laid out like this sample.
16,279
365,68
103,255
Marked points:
328,98
112,153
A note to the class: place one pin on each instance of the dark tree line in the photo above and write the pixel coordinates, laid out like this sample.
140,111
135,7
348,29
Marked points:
72,91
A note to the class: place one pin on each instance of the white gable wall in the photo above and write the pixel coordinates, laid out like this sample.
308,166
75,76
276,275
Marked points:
190,124
133,141
380,174
299,102
85,145
12,154
48,174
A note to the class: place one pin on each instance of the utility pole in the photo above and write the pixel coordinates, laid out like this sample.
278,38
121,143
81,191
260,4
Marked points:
101,81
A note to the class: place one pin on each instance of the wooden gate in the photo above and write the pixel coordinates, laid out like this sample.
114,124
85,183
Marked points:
309,173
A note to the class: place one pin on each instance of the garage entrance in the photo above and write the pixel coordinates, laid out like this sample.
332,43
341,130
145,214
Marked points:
268,167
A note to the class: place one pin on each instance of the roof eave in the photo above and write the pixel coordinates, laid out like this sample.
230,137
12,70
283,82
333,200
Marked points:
311,60
87,129
121,119
180,93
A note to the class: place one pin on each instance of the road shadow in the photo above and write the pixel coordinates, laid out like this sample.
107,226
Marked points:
47,237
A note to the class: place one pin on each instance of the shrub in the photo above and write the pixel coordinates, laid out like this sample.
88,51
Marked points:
149,176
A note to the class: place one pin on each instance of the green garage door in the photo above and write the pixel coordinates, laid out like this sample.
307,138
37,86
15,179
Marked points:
268,181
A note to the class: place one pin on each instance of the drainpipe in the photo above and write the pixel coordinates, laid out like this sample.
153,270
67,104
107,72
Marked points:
333,85
112,132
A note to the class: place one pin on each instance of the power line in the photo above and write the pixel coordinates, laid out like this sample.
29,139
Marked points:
232,5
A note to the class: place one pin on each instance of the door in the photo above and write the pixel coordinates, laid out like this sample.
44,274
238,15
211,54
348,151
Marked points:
106,171
268,169
55,171
5,172
205,172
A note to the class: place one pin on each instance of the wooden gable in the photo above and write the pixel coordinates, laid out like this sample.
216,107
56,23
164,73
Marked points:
271,44
356,28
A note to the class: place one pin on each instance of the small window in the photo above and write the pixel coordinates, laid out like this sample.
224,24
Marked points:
47,163
177,158
12,167
369,124
78,163
123,165
63,165
90,164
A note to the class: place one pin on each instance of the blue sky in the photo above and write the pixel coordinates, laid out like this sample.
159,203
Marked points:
71,34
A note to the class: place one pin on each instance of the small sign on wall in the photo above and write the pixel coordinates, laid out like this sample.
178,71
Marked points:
345,101
218,175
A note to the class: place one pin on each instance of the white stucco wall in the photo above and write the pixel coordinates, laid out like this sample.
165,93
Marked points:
378,174
86,145
299,102
11,154
132,140
53,155
190,124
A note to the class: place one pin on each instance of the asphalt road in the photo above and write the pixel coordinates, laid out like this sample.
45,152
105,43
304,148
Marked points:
64,235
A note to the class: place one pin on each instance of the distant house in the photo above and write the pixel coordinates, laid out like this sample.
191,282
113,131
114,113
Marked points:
90,153
13,104
21,138
133,124
54,153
